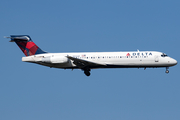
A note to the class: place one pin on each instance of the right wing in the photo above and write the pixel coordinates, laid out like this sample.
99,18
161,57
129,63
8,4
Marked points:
84,63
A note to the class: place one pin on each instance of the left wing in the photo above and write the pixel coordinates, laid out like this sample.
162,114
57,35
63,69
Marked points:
84,63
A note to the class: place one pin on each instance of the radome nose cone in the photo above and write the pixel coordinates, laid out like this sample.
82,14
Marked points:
174,62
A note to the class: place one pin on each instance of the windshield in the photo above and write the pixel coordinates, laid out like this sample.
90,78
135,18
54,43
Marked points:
164,55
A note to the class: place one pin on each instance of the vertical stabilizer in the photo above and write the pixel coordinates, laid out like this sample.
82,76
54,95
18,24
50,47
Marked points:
27,46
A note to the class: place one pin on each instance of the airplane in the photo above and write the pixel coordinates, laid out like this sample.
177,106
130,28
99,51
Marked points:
91,60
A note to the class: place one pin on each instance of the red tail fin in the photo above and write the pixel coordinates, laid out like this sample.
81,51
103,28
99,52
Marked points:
27,46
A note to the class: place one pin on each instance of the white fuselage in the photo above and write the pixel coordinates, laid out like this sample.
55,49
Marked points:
91,60
104,59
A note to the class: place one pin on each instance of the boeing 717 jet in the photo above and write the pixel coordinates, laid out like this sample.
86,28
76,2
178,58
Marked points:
91,60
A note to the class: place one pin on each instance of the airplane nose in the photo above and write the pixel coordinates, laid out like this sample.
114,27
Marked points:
174,62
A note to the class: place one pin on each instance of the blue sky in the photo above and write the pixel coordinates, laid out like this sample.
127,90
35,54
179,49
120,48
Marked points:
30,91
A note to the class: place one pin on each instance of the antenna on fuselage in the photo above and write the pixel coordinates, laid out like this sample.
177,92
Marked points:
137,50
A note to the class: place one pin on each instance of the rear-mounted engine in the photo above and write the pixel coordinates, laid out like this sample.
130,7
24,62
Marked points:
55,59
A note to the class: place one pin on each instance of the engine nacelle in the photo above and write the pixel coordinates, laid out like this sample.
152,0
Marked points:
55,59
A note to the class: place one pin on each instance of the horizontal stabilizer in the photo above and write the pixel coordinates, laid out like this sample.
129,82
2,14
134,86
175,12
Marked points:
19,38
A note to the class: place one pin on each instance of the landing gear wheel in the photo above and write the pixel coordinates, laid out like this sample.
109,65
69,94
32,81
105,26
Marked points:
167,71
87,73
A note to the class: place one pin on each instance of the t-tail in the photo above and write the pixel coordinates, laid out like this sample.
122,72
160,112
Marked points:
27,46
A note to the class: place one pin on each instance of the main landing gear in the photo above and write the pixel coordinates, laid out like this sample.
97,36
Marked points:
167,71
87,71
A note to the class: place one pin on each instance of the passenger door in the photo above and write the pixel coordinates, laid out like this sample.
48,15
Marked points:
156,58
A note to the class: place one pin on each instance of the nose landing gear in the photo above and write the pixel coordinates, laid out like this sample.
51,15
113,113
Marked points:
167,71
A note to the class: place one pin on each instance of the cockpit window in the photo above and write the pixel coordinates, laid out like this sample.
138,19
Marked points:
164,55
